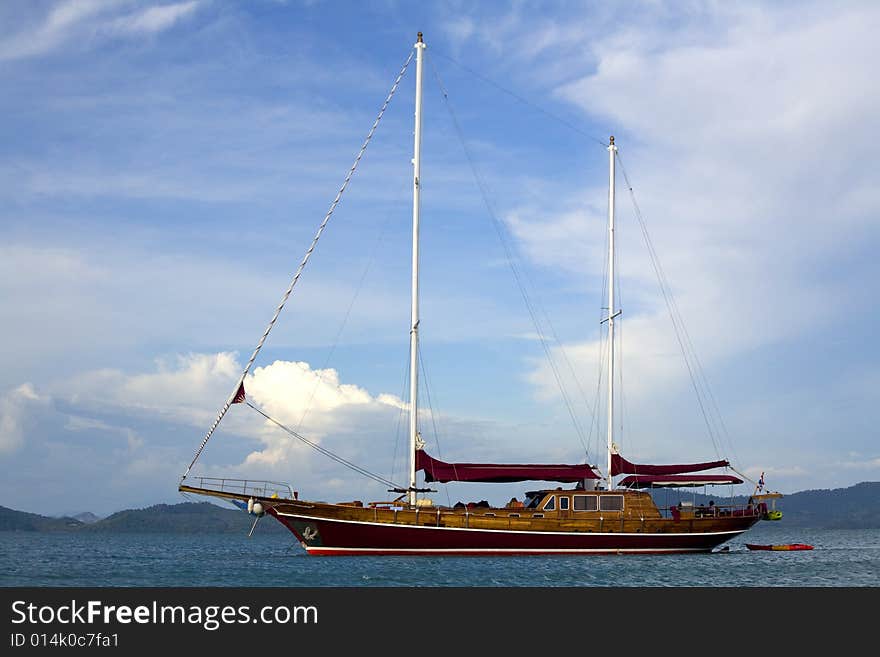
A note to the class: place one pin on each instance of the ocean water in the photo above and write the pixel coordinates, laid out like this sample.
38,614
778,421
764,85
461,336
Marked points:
841,558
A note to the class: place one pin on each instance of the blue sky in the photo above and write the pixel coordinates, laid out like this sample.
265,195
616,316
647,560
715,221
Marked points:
164,165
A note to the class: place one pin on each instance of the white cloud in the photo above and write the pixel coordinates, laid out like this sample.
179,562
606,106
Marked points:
155,19
569,239
15,408
57,27
459,30
59,299
113,437
865,463
191,389
85,21
756,76
749,134
185,389
742,166
314,403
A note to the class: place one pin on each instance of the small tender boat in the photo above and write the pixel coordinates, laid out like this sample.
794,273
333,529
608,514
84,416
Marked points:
786,546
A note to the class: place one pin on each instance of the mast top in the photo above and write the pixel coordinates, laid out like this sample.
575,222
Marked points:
419,39
612,136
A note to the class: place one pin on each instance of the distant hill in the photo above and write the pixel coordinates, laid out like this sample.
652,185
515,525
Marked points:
87,517
20,521
856,507
184,518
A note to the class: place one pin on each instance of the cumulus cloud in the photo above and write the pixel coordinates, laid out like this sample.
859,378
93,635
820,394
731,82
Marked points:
182,389
118,437
15,408
189,390
315,403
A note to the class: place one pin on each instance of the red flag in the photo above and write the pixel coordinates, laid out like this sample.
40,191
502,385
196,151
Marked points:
239,396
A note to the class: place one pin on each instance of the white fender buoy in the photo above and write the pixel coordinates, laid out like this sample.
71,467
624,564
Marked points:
258,509
251,505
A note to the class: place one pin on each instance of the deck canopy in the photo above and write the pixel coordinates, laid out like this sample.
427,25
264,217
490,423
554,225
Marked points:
677,481
620,465
500,473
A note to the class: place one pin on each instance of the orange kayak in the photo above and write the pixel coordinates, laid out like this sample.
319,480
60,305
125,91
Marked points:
785,546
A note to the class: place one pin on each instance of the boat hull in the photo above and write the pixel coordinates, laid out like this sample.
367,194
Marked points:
325,536
635,526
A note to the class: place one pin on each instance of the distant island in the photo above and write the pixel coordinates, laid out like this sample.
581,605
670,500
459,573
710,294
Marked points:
856,507
183,518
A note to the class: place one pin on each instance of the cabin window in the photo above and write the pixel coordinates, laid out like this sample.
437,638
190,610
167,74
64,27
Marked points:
533,500
586,503
550,505
563,504
611,503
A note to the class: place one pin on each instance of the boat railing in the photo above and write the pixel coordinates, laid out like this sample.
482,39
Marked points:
244,487
717,511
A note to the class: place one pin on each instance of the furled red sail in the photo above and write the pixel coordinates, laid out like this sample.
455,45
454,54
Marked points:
677,481
620,465
500,473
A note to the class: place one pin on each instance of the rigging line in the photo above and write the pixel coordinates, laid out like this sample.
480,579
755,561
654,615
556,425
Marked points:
510,260
590,409
345,319
324,451
674,313
434,421
594,424
677,322
546,318
702,379
301,267
525,101
723,433
400,414
742,475
565,357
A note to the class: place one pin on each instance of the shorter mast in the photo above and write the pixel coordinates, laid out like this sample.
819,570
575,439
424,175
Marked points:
414,439
612,149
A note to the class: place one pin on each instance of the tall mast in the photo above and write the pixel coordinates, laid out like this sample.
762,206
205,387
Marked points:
414,439
612,149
